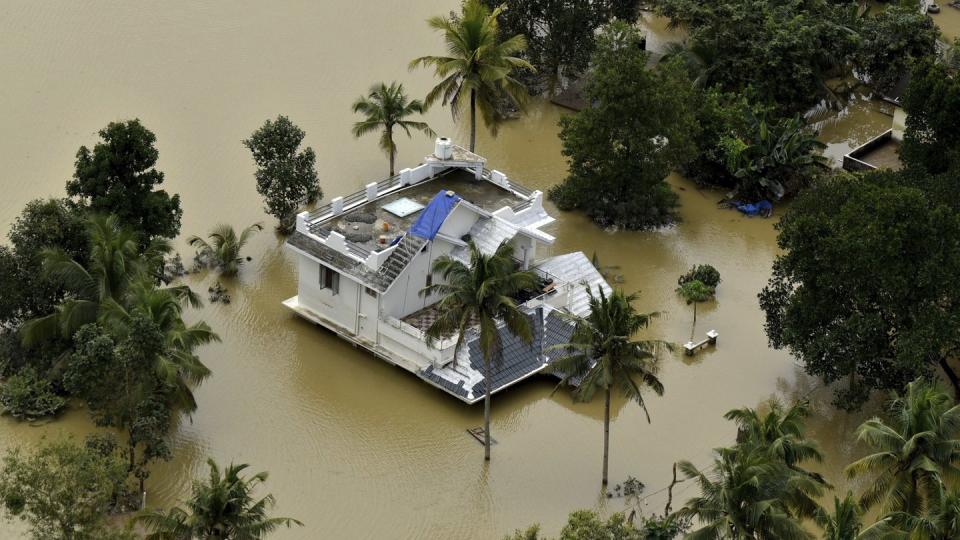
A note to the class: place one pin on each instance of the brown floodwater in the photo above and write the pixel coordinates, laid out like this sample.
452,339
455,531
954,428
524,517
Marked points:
356,448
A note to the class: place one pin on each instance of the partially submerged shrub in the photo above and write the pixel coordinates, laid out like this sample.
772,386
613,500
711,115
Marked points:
27,396
703,273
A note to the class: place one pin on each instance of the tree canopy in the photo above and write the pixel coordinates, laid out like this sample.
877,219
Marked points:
866,287
119,177
286,175
640,126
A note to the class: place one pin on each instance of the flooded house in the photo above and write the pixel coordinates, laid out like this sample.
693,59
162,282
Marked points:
365,258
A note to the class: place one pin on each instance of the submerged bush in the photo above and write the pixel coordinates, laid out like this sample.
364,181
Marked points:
27,396
703,273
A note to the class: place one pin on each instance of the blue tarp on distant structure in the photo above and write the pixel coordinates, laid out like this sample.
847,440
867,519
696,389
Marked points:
762,208
434,214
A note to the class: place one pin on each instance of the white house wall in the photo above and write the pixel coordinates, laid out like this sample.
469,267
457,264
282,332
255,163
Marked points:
340,308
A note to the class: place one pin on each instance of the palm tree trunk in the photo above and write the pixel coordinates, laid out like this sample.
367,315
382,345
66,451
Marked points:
473,120
951,375
393,150
486,411
606,434
693,328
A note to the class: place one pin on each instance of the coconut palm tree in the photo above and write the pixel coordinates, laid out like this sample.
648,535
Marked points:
602,356
478,71
223,250
913,454
743,496
115,262
221,508
844,523
387,107
481,293
941,521
174,361
780,431
695,292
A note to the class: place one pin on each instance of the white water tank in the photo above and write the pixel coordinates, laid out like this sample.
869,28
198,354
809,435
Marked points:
444,148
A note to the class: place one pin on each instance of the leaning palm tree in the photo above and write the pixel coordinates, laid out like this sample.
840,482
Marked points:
743,497
913,454
223,250
481,293
387,107
477,72
602,355
221,508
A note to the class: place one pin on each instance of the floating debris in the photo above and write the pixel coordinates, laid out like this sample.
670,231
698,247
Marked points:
219,293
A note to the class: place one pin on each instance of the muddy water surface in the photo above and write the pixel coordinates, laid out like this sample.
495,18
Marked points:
356,448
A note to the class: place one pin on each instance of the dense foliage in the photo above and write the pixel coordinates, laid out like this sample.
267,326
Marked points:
118,177
63,491
795,47
931,140
891,41
480,69
561,34
622,148
865,288
27,396
286,175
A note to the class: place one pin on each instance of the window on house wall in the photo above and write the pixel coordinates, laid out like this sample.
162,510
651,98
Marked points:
329,279
370,292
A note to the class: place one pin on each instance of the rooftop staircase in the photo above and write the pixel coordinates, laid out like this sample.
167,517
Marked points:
406,250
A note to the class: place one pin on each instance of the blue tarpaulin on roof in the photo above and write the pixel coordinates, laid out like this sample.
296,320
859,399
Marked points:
431,218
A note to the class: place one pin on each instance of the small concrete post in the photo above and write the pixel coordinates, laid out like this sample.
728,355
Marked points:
498,178
689,347
302,221
712,336
478,172
336,206
405,175
371,191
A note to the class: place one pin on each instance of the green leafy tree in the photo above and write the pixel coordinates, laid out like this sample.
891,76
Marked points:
28,396
286,175
864,288
41,224
744,495
695,292
386,108
603,356
913,454
478,72
621,149
893,40
118,177
223,249
561,35
587,525
931,140
844,523
63,491
481,293
222,507
772,160
794,47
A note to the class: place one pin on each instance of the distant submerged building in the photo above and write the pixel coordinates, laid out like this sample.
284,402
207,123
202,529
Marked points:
365,257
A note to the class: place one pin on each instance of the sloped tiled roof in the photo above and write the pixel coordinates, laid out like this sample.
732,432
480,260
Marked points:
465,377
576,268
